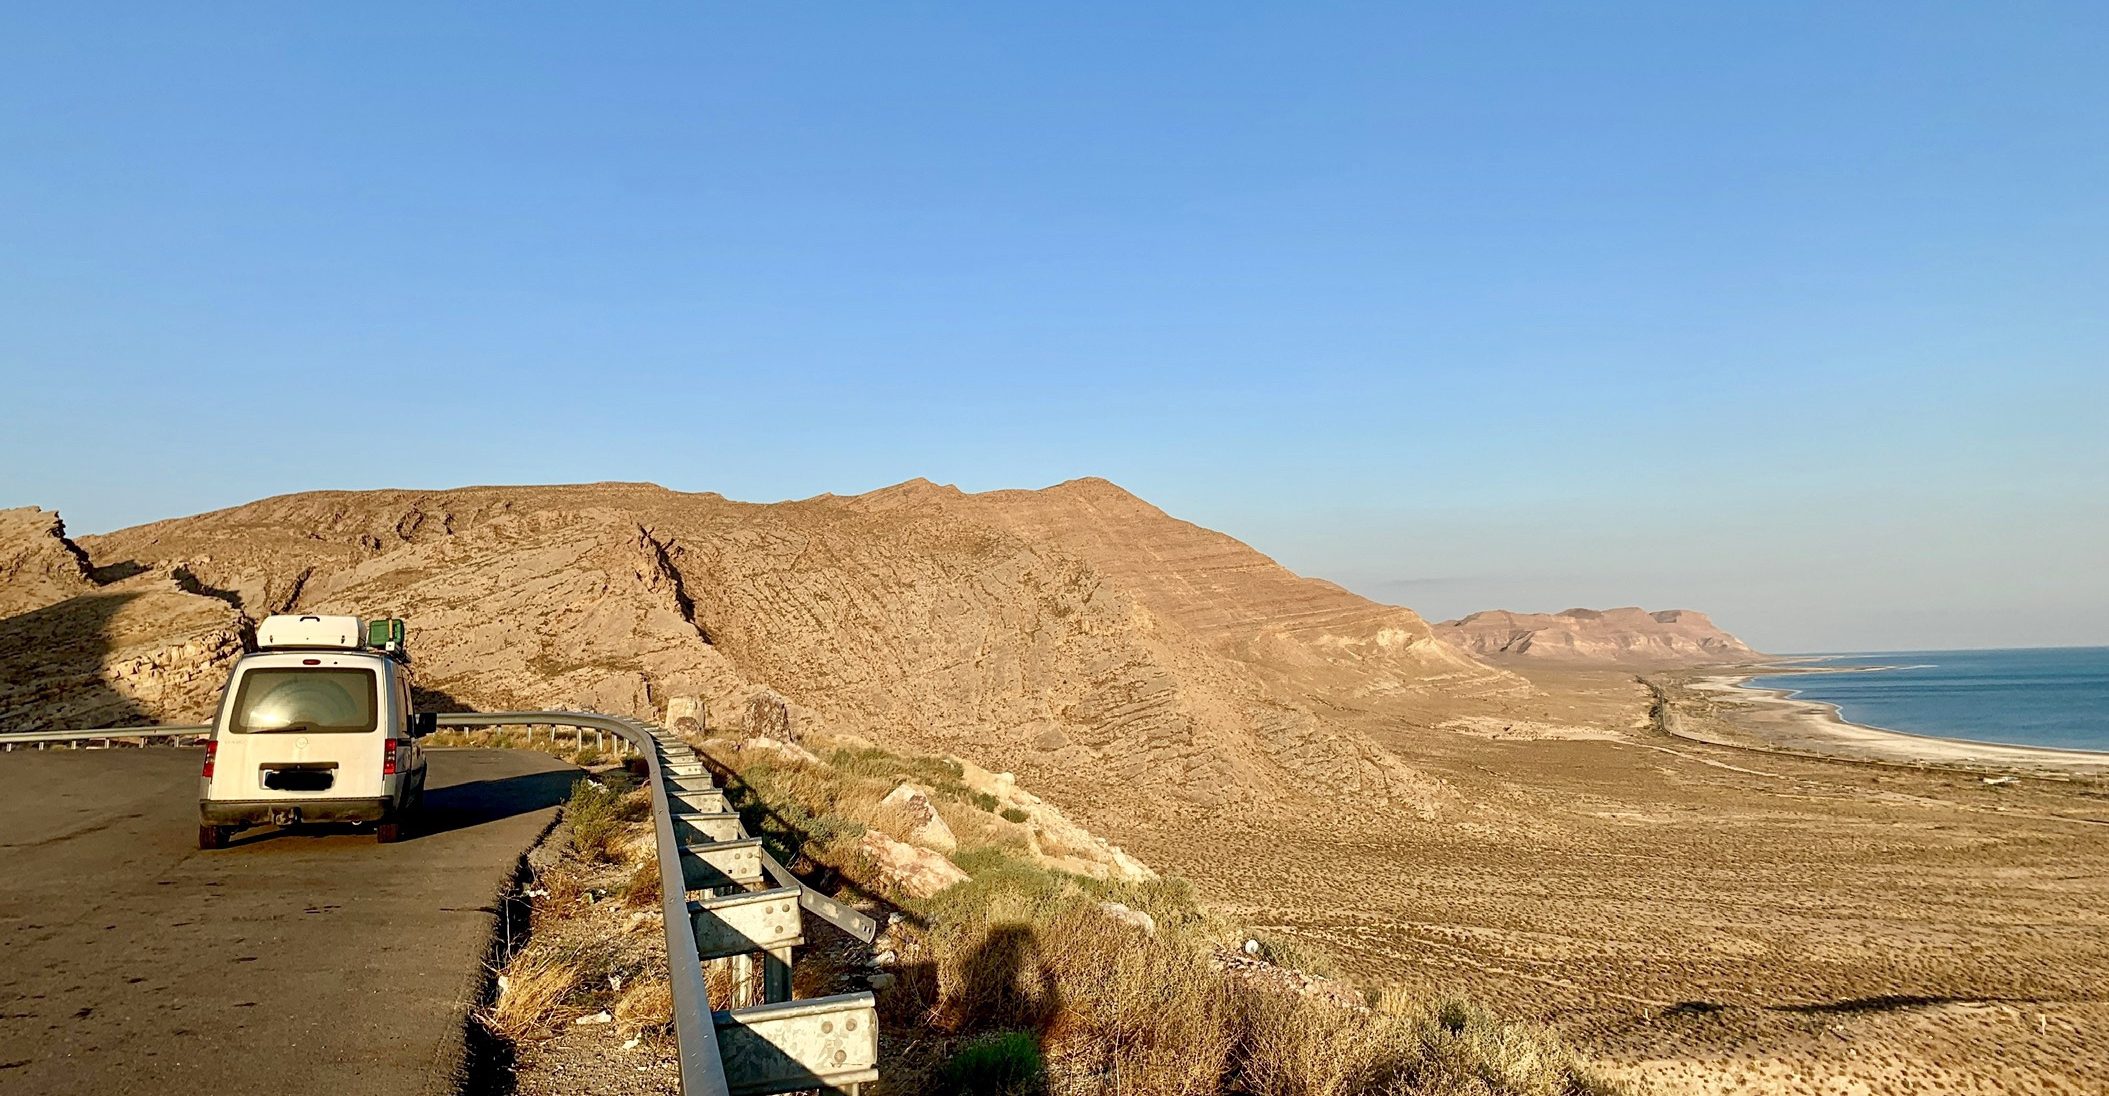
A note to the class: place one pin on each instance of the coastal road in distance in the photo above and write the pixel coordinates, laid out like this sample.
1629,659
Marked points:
306,961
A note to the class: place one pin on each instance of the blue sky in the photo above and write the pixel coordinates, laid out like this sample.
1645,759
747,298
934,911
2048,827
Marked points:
1793,313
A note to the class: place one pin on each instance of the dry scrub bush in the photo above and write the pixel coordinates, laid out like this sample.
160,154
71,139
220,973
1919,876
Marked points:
1020,948
1122,1011
820,810
565,890
892,820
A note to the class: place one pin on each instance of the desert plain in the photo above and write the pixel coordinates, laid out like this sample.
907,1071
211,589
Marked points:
1702,888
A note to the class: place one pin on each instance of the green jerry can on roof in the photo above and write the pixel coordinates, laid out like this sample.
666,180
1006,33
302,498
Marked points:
385,635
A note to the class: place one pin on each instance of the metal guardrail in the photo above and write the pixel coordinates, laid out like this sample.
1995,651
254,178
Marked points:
770,1046
753,907
40,738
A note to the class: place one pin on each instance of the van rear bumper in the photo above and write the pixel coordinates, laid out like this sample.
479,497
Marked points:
252,812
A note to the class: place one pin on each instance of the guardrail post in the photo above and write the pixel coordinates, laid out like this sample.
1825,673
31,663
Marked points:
776,975
742,980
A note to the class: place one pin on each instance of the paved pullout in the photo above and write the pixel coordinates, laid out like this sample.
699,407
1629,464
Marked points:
131,962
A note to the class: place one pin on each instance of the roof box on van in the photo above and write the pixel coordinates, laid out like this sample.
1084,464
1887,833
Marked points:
332,632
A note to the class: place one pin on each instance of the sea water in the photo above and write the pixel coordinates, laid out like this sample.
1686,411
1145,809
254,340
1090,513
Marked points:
2043,696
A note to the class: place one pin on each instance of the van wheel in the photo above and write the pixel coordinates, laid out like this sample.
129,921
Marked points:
389,832
213,837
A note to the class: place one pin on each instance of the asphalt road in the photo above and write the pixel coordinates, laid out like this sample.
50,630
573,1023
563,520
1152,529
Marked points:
308,962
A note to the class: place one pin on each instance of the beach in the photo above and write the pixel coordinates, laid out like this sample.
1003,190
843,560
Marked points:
1717,705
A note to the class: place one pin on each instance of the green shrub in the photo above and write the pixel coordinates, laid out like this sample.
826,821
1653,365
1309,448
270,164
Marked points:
879,764
1007,1063
595,815
1013,814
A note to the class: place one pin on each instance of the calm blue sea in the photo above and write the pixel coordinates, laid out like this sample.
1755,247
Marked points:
2045,696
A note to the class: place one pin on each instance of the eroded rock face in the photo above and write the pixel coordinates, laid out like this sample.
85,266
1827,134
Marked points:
38,565
75,653
1671,637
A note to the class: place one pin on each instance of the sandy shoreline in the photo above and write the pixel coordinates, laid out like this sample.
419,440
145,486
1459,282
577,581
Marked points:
1777,719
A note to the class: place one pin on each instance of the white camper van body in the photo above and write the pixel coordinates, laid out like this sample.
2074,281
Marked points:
314,727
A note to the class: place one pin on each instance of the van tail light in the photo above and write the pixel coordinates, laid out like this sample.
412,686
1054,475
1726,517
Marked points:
388,759
212,750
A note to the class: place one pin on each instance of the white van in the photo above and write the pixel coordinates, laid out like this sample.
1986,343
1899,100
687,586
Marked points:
315,726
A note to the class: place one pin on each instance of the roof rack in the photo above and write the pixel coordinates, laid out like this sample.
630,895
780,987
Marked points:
317,632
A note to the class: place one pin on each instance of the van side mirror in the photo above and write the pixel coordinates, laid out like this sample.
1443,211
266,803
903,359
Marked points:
423,723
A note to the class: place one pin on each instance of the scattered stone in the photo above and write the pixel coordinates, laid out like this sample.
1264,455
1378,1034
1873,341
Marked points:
769,716
930,831
684,714
918,873
1128,915
601,1017
789,749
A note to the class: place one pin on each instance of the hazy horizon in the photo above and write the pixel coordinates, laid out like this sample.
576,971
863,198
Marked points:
1455,602
1791,316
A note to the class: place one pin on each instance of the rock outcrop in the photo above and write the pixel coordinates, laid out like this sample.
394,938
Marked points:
76,653
925,826
38,565
1672,637
915,872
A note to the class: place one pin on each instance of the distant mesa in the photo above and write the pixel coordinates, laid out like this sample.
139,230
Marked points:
1631,636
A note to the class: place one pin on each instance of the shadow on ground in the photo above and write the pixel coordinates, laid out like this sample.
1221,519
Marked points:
455,807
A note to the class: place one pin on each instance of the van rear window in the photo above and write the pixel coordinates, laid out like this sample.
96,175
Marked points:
304,701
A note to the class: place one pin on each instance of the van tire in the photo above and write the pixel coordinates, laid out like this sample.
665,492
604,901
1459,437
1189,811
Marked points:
388,833
212,837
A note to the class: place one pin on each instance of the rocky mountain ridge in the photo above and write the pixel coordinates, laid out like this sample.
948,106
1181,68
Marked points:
1628,635
1074,635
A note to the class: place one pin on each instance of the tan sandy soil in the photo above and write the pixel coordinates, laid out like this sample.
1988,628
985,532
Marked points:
1702,918
1698,913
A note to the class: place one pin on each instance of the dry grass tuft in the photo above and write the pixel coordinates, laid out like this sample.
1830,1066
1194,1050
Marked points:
641,889
566,891
531,987
646,1007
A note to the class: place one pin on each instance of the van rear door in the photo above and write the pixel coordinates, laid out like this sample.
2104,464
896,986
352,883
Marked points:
303,728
